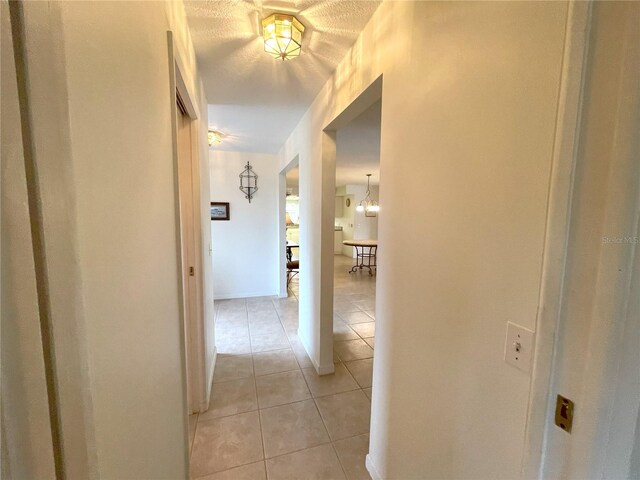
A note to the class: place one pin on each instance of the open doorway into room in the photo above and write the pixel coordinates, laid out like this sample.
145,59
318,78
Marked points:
292,229
190,244
289,230
355,244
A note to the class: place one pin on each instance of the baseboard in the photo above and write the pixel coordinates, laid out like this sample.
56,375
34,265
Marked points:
231,296
325,369
371,468
204,408
320,369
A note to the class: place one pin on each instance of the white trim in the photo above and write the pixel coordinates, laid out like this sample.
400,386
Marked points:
42,84
204,406
371,468
324,369
195,368
282,229
321,369
181,87
282,234
557,232
360,103
174,143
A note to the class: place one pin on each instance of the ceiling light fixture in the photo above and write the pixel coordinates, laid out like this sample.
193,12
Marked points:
282,36
214,137
366,204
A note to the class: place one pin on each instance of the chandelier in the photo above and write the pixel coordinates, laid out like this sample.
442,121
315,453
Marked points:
282,36
366,204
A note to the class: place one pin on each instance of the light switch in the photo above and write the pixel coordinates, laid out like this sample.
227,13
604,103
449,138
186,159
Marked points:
518,348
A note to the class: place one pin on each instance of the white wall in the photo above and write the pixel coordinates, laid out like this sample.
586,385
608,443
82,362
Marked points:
465,162
366,228
187,63
102,111
346,221
245,249
120,117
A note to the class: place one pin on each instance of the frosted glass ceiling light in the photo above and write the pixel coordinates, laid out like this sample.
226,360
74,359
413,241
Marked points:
366,204
282,36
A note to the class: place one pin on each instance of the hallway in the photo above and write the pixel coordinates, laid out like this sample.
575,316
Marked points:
270,413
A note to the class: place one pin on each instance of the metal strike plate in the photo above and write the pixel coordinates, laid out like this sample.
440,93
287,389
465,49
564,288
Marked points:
564,413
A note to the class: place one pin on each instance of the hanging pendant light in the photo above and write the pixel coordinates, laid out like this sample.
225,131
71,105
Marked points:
366,204
282,36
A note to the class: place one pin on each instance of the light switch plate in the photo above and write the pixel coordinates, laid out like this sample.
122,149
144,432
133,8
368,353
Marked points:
518,347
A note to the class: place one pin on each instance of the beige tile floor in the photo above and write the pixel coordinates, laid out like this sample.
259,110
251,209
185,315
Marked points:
271,416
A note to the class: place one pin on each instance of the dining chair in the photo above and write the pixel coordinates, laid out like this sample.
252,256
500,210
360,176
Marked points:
293,266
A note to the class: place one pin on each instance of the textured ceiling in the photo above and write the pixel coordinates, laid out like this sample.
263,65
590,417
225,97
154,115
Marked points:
256,100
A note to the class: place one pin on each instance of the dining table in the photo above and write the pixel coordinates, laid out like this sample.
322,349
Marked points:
366,252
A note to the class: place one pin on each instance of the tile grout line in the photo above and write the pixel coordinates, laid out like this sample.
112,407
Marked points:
344,471
302,449
324,425
285,332
331,439
282,310
255,386
297,363
192,440
264,460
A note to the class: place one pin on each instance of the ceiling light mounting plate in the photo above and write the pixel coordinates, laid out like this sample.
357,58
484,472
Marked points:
214,137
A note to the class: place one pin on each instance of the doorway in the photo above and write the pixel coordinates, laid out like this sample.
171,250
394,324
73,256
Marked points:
289,230
292,226
355,244
187,234
350,151
190,253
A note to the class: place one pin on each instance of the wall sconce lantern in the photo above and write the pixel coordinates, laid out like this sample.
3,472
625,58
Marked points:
248,182
282,36
367,205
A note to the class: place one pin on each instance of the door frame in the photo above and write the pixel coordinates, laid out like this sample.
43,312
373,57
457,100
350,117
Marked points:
606,396
368,97
561,188
195,382
282,228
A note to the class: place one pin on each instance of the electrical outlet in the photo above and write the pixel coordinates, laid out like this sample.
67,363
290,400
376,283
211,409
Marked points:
518,347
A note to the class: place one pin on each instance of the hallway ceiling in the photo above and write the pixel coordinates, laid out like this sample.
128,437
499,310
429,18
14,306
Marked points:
357,150
254,99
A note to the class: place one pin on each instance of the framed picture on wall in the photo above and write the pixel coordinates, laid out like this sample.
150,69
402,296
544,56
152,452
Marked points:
219,210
